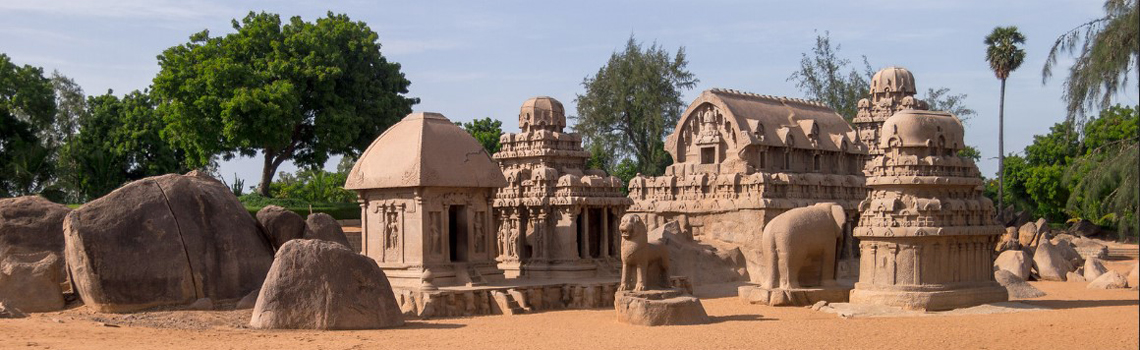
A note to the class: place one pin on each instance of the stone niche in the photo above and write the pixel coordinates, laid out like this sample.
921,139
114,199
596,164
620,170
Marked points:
555,218
926,232
425,188
741,159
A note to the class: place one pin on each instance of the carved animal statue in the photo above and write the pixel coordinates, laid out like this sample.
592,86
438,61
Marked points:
640,256
800,237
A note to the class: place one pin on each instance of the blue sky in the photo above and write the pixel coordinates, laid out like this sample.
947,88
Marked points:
475,59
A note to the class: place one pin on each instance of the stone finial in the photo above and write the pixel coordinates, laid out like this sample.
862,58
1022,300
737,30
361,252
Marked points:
542,113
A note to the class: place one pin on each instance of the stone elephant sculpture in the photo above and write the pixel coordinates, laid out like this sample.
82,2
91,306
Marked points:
792,241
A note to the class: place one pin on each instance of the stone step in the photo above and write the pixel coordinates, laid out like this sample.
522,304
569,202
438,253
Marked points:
506,303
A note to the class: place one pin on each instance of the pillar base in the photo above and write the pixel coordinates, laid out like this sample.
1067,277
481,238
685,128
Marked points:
931,300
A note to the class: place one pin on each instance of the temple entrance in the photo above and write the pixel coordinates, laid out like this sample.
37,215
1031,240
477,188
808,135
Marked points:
594,232
457,232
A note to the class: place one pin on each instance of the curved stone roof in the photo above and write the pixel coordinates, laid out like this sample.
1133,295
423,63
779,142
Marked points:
893,79
542,112
919,128
424,149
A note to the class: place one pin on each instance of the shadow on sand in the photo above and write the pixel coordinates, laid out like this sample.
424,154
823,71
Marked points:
736,318
428,325
1080,304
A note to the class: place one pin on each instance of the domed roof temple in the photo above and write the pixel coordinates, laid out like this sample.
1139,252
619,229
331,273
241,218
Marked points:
892,90
556,218
424,187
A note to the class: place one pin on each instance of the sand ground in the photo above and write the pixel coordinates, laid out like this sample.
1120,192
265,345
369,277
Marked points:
1075,318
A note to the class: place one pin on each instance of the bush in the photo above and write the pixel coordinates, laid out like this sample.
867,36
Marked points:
340,211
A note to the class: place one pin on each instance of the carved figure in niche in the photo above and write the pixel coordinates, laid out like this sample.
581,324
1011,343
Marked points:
535,237
435,240
513,240
480,238
793,238
393,228
639,256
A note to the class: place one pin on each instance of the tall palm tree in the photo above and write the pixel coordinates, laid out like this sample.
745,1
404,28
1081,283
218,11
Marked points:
1004,56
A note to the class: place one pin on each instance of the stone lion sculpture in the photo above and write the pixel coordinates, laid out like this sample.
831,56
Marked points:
641,256
799,237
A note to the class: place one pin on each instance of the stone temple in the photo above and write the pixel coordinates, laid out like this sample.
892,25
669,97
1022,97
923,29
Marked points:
556,218
892,90
926,232
741,158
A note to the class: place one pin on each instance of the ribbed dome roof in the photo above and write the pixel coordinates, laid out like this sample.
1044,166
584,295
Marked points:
893,79
919,128
425,149
542,112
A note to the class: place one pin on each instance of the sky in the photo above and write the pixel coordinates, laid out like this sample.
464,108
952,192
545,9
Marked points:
476,59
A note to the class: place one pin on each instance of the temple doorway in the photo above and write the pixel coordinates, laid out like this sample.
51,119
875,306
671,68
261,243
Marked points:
457,232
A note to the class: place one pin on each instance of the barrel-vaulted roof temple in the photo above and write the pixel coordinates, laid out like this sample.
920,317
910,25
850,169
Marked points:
463,232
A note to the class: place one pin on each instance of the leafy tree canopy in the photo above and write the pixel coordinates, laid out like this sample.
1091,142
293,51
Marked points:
824,77
27,112
633,102
1109,49
486,131
298,91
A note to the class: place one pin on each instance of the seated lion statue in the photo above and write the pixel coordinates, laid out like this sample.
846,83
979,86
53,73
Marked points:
640,254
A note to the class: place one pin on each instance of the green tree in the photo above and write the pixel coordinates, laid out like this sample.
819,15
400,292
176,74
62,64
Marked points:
295,91
633,102
1109,49
1102,180
971,153
942,100
27,112
119,140
486,131
824,77
1004,56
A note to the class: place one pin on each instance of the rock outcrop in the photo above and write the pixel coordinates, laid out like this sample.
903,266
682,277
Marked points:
1051,265
1109,280
1134,276
315,284
281,225
1093,269
1017,262
1016,286
324,227
31,253
164,240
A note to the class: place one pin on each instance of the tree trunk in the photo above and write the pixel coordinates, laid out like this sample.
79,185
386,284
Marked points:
1001,149
267,171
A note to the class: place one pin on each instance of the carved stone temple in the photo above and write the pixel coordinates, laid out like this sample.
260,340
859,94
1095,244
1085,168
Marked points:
926,231
892,90
556,219
741,159
424,188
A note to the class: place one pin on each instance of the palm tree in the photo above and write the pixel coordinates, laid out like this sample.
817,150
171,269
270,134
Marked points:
1004,57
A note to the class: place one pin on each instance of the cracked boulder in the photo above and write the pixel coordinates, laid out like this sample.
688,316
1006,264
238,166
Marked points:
31,253
164,240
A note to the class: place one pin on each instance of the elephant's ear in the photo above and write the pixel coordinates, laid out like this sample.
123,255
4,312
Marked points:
838,215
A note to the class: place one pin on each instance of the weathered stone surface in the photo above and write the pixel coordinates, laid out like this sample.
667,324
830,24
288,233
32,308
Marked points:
324,227
248,301
1016,286
1075,276
1134,276
753,294
10,312
1090,248
1051,265
1109,280
315,284
164,240
1084,228
1093,269
1069,253
281,225
31,253
659,308
1027,234
701,263
31,281
1017,262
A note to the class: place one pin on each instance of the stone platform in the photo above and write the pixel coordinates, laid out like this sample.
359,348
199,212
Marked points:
932,300
755,294
659,308
515,296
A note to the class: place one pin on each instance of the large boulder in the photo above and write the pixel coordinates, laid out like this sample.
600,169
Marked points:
1016,286
164,240
281,225
31,253
1027,234
1093,269
1109,280
1051,265
1084,228
324,227
1017,262
1090,248
315,284
1008,240
1069,253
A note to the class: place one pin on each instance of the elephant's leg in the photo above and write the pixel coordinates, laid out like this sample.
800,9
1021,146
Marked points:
785,268
769,280
827,273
